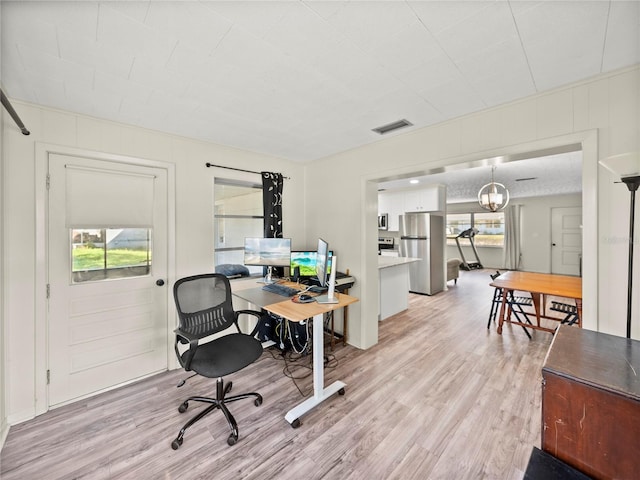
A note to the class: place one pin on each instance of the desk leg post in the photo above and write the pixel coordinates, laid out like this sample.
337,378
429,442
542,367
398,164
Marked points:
320,394
318,355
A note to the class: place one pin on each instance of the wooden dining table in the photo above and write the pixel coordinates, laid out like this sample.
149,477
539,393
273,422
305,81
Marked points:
538,285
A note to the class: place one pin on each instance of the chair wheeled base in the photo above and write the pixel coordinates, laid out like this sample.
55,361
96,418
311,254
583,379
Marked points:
215,403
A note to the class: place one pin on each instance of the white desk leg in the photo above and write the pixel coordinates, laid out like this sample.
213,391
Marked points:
320,394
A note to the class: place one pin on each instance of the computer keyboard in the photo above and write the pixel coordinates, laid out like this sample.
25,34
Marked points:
280,289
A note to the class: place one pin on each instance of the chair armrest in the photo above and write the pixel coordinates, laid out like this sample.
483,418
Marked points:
186,337
255,313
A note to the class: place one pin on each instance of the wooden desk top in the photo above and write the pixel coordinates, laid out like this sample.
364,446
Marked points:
301,311
545,283
285,307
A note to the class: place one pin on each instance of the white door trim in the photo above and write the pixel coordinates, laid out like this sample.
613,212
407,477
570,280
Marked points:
41,401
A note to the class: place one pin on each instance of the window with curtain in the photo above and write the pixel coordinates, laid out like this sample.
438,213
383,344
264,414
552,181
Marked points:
108,238
238,213
490,226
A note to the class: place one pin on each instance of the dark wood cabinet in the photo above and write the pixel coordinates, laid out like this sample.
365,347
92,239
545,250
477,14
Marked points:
591,403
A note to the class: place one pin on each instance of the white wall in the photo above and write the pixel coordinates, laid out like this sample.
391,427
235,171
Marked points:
601,114
23,191
536,229
536,232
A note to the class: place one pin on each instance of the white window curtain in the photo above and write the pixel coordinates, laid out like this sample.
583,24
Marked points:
512,233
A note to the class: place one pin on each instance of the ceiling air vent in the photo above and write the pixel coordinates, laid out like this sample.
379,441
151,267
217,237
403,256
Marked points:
392,126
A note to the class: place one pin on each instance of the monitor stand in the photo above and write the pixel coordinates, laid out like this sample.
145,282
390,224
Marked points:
330,297
327,298
269,276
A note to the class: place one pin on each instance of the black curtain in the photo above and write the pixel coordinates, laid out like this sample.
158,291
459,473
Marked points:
272,204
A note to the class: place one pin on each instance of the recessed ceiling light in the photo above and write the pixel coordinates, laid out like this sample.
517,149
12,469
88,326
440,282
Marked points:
413,180
392,126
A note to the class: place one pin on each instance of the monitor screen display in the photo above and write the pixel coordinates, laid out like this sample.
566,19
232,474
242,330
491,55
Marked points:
322,262
306,262
267,252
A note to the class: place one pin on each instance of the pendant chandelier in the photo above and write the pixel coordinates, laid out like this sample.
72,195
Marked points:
493,196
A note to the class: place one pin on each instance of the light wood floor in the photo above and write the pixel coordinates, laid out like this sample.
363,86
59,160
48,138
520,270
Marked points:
439,396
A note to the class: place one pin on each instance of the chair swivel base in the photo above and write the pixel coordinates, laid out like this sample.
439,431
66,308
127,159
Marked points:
215,403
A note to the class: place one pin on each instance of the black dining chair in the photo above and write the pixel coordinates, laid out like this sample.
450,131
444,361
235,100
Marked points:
205,308
514,305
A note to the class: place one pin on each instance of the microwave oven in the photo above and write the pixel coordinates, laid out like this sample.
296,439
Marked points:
383,221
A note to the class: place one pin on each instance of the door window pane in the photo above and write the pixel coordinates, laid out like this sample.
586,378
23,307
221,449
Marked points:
107,253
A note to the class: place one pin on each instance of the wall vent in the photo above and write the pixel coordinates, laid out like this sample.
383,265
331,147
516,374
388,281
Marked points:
392,126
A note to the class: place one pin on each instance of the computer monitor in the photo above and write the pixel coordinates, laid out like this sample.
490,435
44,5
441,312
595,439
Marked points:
322,267
322,262
267,252
305,262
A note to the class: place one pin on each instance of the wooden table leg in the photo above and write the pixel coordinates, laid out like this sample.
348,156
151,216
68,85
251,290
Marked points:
536,305
502,310
579,308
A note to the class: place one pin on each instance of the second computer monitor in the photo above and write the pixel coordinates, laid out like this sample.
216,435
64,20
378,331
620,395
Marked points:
322,262
305,262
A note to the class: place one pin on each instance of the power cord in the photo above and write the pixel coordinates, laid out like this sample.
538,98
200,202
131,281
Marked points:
295,363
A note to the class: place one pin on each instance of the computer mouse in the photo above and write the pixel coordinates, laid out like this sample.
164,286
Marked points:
305,298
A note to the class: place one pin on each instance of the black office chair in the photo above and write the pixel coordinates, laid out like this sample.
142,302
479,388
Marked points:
205,308
514,306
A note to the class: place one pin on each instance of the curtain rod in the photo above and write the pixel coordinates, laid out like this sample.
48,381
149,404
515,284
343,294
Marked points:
12,112
238,169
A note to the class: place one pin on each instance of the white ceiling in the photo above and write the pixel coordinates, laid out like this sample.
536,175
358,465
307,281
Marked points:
555,174
303,79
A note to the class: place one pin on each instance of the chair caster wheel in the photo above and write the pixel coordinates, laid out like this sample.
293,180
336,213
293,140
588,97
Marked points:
232,440
341,391
176,443
258,401
295,423
183,407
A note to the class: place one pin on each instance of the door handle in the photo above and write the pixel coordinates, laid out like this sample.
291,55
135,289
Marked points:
160,282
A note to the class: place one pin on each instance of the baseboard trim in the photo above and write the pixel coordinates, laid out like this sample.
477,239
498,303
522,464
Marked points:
4,432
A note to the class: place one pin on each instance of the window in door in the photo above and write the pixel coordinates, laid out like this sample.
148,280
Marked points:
108,253
238,213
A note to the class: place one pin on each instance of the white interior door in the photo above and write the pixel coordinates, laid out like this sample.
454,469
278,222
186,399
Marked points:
107,270
566,240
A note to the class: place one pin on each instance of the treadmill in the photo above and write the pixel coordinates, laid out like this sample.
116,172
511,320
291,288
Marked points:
473,265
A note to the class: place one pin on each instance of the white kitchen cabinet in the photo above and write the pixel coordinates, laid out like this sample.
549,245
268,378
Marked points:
430,199
391,203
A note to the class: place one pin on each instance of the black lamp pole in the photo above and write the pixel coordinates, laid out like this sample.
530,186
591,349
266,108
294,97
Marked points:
632,184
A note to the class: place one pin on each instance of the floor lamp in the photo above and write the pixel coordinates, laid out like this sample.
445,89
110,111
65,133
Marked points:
627,167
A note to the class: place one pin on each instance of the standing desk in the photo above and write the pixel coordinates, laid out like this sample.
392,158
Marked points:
538,284
297,312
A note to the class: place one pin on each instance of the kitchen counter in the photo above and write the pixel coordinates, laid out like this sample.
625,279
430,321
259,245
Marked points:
385,262
393,284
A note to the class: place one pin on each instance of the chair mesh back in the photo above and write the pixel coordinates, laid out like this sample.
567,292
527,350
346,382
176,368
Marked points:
204,304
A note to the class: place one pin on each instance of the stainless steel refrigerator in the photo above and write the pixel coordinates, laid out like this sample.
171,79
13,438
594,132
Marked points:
422,236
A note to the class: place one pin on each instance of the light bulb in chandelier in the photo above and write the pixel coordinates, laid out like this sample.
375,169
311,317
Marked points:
493,196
